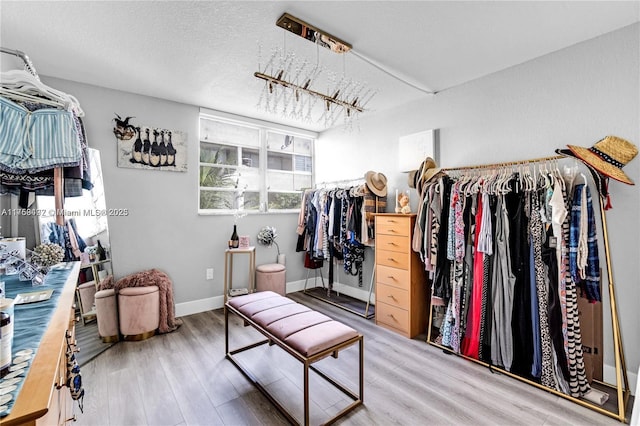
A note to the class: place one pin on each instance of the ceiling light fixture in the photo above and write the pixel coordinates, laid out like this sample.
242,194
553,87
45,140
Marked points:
289,81
313,34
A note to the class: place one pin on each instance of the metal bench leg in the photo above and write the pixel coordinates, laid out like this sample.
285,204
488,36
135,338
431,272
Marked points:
306,393
226,330
306,279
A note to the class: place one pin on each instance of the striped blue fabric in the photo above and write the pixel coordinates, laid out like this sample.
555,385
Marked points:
13,132
31,141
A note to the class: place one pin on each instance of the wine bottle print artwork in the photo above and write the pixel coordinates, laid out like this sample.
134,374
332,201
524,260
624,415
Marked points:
149,147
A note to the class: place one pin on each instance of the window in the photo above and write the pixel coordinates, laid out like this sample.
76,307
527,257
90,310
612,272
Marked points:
251,167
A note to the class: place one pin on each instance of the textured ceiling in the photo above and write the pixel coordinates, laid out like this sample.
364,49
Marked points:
204,53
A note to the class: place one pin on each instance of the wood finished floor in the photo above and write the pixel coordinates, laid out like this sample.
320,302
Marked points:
183,378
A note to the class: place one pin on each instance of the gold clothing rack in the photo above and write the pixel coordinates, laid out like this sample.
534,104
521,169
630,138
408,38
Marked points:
337,185
27,62
322,185
507,164
622,381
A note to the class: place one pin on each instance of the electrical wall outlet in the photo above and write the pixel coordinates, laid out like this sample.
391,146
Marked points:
209,273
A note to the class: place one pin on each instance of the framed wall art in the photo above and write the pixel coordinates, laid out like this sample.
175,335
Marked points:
146,147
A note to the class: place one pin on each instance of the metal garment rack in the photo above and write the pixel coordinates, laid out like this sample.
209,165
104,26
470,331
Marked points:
622,381
373,274
27,62
58,177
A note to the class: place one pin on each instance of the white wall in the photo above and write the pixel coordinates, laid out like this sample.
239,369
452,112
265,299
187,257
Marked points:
163,229
574,96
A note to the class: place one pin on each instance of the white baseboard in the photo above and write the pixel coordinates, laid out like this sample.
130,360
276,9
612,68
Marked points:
609,376
217,302
294,286
197,306
355,292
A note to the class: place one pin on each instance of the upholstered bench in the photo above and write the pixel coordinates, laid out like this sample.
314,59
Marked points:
305,334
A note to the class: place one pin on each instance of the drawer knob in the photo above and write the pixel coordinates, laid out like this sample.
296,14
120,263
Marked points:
392,277
391,316
391,259
392,244
390,296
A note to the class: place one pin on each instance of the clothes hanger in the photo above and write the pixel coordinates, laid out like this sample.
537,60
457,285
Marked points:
18,96
24,82
558,175
531,184
504,181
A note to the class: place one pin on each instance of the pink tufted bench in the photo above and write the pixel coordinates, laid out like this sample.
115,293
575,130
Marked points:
305,334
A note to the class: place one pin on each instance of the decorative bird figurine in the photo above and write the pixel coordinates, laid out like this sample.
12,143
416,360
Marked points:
123,130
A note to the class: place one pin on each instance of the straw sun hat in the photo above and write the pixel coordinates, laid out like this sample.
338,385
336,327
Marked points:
377,183
607,156
428,169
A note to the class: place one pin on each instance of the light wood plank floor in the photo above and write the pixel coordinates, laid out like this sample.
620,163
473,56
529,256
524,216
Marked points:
183,378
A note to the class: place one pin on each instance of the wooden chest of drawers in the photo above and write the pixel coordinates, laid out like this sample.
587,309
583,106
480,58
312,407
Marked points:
401,287
45,399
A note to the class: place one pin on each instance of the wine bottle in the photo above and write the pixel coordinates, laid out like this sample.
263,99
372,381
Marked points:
171,153
234,242
162,149
145,148
154,157
136,154
102,254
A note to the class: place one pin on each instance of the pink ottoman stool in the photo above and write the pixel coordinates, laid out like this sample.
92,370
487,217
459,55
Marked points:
139,312
107,313
271,277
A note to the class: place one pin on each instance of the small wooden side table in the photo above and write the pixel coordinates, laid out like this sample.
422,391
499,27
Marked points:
228,268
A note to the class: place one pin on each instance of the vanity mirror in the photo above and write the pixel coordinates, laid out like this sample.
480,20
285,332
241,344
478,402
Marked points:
87,212
86,229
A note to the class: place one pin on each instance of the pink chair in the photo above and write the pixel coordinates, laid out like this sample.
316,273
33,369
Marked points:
139,312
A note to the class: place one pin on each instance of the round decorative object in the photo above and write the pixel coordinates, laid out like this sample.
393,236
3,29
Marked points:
47,254
267,237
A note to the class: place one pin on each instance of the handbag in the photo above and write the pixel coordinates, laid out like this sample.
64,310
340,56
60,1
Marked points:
353,252
311,263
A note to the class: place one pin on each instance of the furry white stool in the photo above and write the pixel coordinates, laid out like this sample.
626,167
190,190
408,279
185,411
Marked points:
139,312
271,277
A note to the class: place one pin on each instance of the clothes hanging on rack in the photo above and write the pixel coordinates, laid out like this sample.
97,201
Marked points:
497,248
335,223
41,129
65,236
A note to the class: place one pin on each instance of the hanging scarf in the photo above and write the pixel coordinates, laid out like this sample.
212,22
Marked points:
588,277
